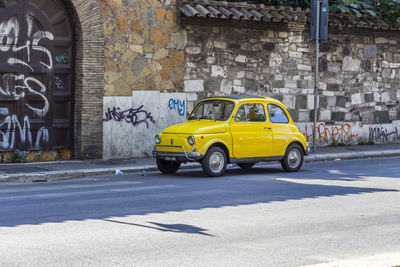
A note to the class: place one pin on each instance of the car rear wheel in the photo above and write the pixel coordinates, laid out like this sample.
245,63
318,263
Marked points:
293,159
167,167
246,166
214,162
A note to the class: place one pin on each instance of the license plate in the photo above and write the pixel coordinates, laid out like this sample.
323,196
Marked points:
170,158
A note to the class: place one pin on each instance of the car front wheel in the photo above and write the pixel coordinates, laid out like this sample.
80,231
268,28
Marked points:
167,167
293,159
214,162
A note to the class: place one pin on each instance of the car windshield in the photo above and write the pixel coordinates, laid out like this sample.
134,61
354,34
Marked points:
212,110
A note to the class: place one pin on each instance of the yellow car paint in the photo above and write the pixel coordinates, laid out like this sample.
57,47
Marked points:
261,138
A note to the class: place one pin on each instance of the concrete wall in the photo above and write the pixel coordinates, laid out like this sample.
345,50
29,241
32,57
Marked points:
131,122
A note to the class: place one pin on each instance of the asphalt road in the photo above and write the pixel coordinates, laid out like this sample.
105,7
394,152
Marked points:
327,212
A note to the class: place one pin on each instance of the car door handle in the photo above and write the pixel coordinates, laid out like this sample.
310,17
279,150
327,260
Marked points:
269,128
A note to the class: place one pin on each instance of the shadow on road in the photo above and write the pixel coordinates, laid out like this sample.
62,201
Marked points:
175,228
139,194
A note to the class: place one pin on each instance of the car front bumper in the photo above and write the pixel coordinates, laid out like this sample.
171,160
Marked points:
176,155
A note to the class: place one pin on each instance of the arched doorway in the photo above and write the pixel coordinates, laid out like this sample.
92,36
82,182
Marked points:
37,57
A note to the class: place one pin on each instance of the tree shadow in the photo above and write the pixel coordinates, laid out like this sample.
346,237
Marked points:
175,228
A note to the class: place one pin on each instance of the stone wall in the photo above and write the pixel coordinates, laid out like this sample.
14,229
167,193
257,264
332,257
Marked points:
146,50
359,75
144,47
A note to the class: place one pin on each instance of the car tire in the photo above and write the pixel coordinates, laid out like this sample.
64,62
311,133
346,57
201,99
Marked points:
246,166
293,159
214,162
167,167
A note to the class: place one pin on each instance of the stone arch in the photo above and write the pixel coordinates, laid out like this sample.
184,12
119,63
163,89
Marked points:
89,78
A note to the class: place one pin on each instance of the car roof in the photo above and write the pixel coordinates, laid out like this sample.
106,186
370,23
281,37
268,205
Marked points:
242,97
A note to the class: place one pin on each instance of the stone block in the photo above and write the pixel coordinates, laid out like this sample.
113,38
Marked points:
310,101
370,51
325,115
193,85
369,98
331,101
294,114
226,87
269,46
341,101
338,116
356,99
289,101
241,58
179,40
304,116
193,50
239,89
304,67
220,44
293,54
301,102
332,87
218,71
351,64
323,102
122,24
178,58
381,117
158,37
302,84
251,84
212,85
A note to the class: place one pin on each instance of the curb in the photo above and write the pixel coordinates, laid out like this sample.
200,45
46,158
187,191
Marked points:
70,174
353,155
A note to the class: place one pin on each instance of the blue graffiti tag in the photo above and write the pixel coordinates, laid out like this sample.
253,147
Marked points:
62,59
176,104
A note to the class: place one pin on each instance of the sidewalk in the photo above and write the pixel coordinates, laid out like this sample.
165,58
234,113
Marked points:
49,171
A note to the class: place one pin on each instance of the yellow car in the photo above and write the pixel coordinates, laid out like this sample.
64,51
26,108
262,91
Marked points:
232,129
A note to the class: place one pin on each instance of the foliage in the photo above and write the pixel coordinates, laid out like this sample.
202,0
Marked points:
389,10
336,143
366,143
18,157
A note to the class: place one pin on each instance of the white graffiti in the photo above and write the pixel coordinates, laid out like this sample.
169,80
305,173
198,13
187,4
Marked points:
17,86
28,83
8,137
10,32
59,83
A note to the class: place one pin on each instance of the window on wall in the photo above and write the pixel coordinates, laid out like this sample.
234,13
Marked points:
252,112
277,114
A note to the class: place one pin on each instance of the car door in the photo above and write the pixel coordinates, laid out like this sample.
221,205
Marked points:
280,129
251,134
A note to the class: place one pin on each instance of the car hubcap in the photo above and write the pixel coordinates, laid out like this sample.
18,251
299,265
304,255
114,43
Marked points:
216,162
294,158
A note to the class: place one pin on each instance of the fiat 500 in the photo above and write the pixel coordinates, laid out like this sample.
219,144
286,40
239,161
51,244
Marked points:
233,129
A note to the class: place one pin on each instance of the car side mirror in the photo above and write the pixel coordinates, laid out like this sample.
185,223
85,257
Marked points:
236,118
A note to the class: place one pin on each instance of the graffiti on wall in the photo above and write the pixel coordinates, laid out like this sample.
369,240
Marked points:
15,86
8,138
176,104
381,134
135,116
330,133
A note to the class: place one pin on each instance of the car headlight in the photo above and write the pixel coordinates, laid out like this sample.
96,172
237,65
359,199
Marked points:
157,139
191,140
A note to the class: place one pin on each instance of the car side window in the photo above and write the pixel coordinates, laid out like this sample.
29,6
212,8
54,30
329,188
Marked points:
277,114
253,112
